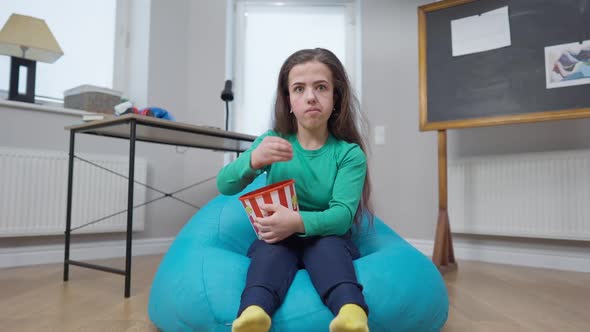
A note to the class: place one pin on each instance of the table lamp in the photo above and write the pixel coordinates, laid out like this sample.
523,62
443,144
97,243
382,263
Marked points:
27,40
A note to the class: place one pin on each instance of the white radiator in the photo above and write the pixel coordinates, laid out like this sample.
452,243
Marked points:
33,193
540,195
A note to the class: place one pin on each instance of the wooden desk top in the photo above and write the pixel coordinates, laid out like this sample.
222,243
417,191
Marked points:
154,130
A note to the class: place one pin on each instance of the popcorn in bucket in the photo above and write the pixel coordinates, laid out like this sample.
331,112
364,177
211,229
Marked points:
277,193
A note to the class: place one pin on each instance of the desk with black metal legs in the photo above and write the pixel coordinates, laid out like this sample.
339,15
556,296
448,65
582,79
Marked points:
146,129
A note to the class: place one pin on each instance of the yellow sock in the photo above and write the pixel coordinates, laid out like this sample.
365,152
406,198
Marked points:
350,318
252,319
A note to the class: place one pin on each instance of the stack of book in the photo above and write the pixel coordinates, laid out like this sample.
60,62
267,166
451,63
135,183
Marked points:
97,116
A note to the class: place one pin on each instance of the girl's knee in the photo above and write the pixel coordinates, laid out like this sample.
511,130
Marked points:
334,243
330,240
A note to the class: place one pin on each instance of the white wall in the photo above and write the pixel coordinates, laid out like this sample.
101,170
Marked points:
530,137
404,170
205,80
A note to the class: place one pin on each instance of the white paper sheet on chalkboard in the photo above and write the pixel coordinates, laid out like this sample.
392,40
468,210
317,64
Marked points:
479,33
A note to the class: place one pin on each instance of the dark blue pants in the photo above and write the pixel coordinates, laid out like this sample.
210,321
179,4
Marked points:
327,259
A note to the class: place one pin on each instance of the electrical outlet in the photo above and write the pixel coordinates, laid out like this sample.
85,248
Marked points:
379,135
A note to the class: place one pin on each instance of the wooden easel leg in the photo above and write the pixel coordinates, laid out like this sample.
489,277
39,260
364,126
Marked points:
443,255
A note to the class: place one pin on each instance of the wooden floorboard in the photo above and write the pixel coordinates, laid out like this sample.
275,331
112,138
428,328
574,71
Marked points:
493,297
483,297
36,299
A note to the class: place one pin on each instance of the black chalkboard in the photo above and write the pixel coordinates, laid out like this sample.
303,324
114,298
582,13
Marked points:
506,85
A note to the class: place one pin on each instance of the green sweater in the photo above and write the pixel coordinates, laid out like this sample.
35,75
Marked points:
328,181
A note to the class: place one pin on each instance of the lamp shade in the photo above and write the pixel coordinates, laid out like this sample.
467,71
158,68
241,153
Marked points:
29,38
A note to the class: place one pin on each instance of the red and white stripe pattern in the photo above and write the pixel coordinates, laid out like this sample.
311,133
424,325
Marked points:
282,193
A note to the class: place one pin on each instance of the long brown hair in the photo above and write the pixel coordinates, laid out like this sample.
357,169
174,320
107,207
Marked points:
343,121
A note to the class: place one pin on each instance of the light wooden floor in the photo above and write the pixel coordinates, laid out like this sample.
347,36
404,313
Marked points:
484,297
494,297
36,299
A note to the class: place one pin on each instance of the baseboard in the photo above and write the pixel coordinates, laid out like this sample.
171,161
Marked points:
562,259
34,255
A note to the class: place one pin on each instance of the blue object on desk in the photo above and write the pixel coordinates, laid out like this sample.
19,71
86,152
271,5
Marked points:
199,282
161,113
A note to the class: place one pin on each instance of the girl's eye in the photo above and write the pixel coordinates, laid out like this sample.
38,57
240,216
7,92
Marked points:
298,89
322,87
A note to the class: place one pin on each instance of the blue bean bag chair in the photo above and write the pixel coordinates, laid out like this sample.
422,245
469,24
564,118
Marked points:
199,282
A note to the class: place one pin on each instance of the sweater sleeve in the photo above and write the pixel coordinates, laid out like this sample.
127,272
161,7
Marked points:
346,195
235,176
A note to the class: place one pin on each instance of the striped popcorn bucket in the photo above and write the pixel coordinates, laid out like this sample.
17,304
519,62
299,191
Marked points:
277,193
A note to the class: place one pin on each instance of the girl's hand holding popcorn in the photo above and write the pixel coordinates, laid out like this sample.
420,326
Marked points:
280,224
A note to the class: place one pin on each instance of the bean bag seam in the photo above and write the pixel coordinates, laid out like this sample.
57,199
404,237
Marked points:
207,293
219,222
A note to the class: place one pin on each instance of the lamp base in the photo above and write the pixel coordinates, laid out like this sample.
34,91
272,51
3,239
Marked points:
15,66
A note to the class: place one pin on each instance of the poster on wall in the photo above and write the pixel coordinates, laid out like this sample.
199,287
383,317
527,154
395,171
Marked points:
567,64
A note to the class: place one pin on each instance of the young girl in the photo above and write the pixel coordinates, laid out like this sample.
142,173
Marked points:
315,141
